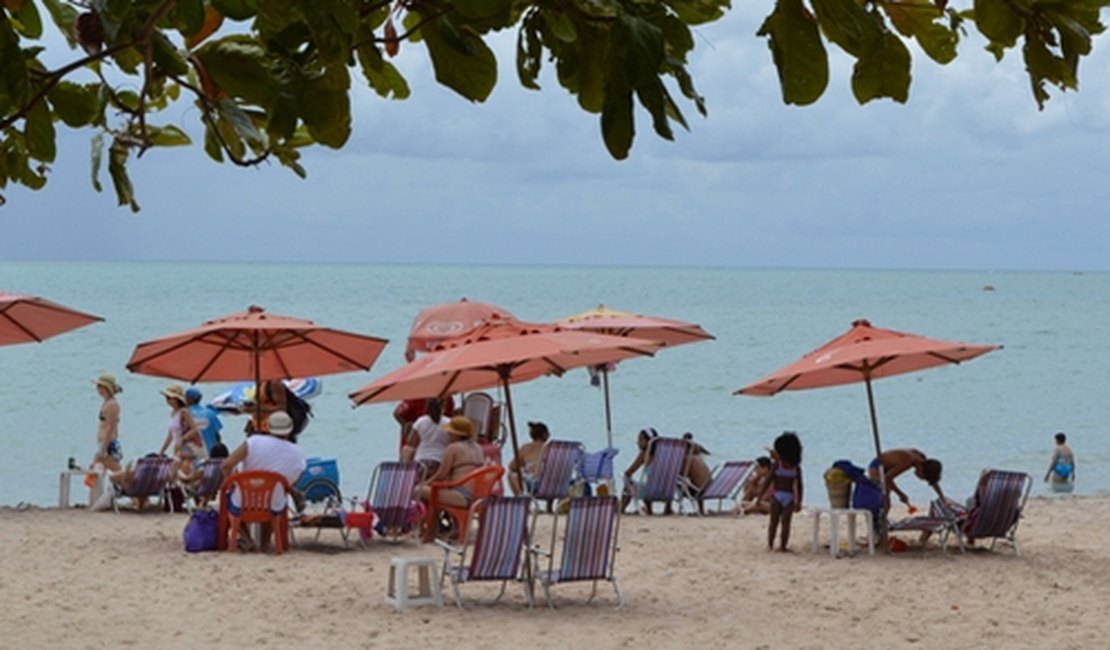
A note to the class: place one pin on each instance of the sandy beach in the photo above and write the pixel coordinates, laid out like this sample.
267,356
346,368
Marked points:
77,579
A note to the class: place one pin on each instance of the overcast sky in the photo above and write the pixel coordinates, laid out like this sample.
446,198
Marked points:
967,175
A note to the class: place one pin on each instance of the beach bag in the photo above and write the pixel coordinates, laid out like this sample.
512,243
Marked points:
202,531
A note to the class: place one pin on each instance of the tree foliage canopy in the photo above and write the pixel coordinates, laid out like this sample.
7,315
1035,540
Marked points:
272,76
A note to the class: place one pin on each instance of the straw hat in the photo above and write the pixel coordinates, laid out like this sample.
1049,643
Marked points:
108,381
281,425
460,426
175,391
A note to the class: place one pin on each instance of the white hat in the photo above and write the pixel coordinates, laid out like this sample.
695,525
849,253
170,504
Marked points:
281,424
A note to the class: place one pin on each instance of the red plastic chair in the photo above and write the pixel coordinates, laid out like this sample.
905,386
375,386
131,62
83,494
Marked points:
481,483
256,490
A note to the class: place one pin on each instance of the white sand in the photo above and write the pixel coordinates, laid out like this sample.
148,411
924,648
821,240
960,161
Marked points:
76,579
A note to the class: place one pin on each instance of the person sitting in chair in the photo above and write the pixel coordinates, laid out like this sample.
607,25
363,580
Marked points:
527,462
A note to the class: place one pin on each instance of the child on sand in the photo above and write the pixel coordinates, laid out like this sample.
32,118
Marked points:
786,480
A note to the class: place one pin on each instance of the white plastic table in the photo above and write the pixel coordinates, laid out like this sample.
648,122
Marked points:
835,515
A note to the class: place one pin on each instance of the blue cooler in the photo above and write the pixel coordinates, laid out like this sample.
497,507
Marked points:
319,468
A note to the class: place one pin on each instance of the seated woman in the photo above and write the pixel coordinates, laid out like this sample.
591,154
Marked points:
528,461
697,473
755,499
644,442
461,456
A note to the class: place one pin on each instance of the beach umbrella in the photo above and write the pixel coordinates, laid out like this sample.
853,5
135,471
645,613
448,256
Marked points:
451,320
864,353
258,346
603,320
498,354
28,319
243,392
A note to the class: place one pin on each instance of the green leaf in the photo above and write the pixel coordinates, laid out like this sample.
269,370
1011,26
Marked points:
639,44
212,145
883,73
617,129
187,16
563,28
242,124
381,75
997,20
14,86
27,20
96,156
529,53
846,23
168,136
325,107
236,9
117,169
653,97
40,133
76,105
462,61
64,16
485,15
799,55
921,20
697,12
241,66
167,57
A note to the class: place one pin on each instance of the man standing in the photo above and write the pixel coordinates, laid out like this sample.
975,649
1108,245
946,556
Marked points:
206,418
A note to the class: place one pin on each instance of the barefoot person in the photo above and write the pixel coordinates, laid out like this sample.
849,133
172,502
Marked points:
896,462
109,453
462,456
785,479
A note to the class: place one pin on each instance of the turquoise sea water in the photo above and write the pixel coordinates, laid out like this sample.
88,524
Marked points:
999,410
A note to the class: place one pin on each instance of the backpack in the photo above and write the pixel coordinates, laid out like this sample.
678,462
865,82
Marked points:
298,409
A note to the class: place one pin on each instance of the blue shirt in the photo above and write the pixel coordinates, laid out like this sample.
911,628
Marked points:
208,423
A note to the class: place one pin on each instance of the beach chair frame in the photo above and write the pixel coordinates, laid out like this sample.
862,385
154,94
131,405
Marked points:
727,482
499,550
996,510
558,465
662,475
152,476
589,545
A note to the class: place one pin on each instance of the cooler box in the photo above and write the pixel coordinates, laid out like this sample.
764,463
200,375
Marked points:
319,468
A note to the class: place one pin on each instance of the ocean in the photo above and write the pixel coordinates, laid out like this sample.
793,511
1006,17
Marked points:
1000,410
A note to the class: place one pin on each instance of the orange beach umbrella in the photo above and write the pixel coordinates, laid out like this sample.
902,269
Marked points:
27,319
497,354
439,323
623,323
864,353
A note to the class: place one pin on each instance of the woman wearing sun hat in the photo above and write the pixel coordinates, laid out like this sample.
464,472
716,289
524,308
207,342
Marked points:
181,432
461,456
109,452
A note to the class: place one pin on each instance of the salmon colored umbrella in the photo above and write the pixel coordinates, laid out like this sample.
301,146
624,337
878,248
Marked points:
497,354
27,319
439,323
623,323
255,345
864,353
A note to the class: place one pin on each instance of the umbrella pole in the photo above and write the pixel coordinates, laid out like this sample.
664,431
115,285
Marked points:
608,416
878,454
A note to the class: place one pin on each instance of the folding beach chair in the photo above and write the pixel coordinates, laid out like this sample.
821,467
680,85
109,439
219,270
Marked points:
728,479
390,500
151,477
596,470
317,503
208,487
997,506
498,548
589,547
558,462
944,521
662,472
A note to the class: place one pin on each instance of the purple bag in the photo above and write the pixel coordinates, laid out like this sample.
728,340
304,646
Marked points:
202,531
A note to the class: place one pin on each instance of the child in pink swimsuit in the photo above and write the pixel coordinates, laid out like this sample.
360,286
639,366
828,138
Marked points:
785,480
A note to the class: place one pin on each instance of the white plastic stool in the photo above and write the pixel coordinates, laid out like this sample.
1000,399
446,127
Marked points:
834,515
397,590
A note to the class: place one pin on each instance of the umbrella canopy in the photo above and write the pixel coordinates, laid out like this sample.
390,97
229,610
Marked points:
26,319
243,392
864,353
497,354
257,346
622,323
439,323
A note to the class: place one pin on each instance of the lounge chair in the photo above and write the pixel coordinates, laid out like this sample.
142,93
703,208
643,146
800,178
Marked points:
589,547
596,470
558,462
256,506
481,484
944,521
318,504
727,482
498,548
390,500
996,508
208,487
661,475
150,477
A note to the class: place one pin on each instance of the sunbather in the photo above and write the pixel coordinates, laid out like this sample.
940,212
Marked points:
527,462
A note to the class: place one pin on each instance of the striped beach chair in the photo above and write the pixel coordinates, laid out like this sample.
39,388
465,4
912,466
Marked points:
150,477
728,480
996,510
663,471
557,466
589,547
390,499
498,548
208,487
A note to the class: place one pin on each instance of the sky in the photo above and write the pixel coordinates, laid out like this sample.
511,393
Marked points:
969,174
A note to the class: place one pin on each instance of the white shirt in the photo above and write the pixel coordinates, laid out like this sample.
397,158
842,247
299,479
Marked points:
273,454
433,439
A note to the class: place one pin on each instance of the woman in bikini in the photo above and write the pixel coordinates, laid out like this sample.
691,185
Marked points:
785,479
461,456
109,453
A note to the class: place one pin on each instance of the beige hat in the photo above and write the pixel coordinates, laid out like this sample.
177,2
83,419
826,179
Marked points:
175,391
461,426
281,425
108,381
